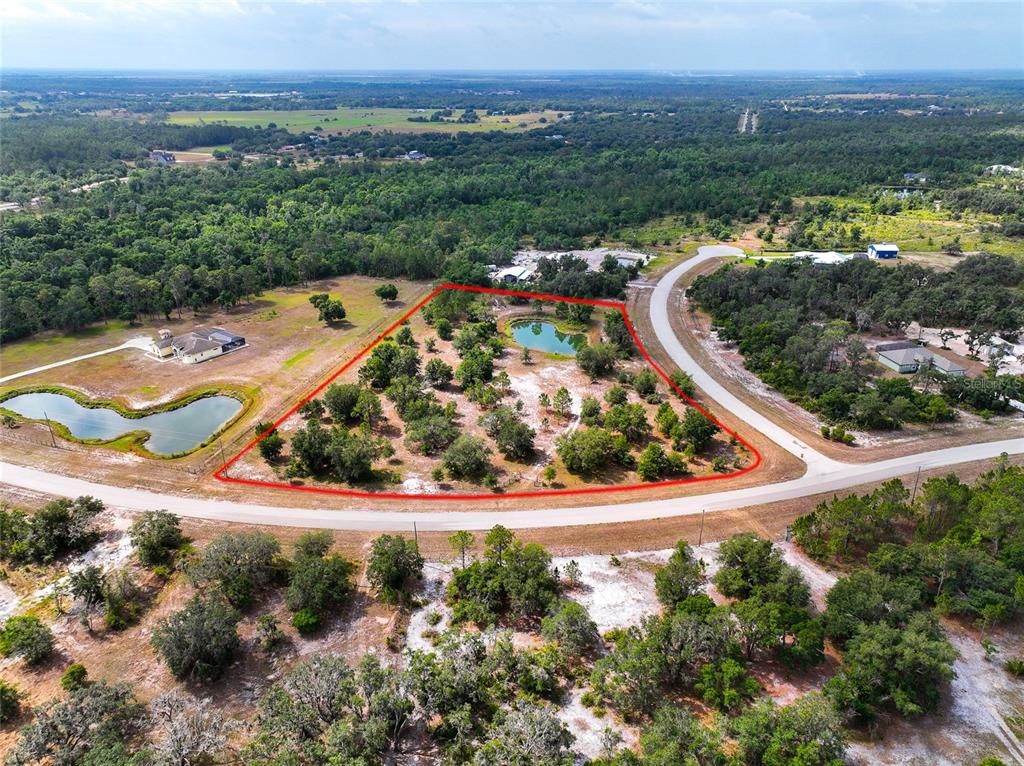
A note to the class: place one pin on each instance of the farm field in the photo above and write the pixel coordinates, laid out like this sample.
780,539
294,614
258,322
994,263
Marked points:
352,119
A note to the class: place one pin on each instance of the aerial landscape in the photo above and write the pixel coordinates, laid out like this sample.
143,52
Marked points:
511,384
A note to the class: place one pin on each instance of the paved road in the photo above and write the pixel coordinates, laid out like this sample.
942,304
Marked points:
823,474
817,463
137,499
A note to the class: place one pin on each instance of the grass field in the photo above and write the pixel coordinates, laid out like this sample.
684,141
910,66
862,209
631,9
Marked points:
352,119
926,229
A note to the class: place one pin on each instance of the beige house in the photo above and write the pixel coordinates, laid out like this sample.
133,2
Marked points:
196,346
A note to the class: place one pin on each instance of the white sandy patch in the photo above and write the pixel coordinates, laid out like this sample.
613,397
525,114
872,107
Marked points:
415,484
820,580
616,596
588,728
108,554
432,590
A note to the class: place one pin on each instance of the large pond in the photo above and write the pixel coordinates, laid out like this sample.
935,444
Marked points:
170,432
544,336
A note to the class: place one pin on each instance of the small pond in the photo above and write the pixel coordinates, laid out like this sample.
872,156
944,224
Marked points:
170,432
544,336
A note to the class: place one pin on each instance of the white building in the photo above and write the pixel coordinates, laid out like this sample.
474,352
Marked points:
514,274
830,258
883,250
196,346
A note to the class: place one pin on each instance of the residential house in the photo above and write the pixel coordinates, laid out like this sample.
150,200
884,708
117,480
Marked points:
907,357
196,346
161,157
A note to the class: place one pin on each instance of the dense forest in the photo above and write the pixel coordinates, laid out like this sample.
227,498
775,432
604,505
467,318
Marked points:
798,325
192,237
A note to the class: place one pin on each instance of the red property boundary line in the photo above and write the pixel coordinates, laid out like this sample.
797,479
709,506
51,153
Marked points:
221,473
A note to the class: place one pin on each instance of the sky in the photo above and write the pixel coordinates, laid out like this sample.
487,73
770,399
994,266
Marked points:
555,35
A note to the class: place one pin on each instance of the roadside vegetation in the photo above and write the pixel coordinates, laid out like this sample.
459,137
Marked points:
517,647
801,329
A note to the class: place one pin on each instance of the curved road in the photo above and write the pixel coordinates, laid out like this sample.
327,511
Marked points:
823,474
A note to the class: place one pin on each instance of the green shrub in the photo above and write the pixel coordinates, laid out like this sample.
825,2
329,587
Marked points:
10,702
74,677
26,637
306,621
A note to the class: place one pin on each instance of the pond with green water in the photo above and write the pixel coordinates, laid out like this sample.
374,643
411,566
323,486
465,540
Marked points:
544,336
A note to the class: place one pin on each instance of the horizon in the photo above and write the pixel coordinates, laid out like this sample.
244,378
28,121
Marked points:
733,36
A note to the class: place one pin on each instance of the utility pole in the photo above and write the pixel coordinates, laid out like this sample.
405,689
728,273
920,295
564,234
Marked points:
53,442
416,537
700,537
913,497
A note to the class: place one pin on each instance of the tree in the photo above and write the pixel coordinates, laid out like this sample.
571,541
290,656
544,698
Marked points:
318,581
683,576
906,667
156,535
199,641
698,429
675,736
60,527
87,586
597,359
27,637
573,574
527,735
525,356
808,732
341,400
330,309
645,383
239,563
726,684
271,445
312,410
570,626
394,561
386,292
630,420
97,718
404,337
439,373
189,730
747,561
466,458
460,542
368,410
586,452
562,402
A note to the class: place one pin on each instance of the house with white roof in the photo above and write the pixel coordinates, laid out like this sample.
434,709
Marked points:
883,250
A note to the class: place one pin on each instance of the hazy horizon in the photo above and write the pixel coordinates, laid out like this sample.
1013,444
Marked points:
631,36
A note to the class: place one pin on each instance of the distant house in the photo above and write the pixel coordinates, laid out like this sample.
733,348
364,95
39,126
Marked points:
415,154
883,250
514,274
831,258
907,357
196,346
915,178
161,157
1002,170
